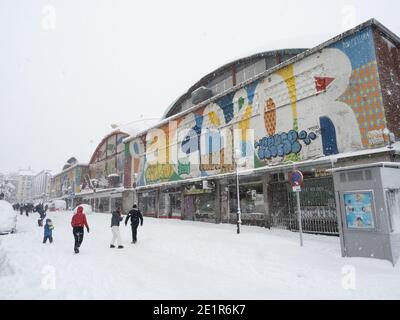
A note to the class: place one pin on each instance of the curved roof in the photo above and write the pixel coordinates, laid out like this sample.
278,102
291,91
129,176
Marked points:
93,157
134,127
223,69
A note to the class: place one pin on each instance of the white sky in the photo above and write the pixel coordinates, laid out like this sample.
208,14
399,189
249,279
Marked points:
71,68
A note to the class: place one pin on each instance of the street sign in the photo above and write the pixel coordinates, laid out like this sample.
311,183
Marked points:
296,188
296,178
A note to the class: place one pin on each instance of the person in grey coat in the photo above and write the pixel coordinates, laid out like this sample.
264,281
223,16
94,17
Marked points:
116,218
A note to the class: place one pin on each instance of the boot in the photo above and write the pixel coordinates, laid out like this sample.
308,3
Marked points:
120,247
112,246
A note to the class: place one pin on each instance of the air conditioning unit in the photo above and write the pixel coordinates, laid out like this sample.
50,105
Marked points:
201,94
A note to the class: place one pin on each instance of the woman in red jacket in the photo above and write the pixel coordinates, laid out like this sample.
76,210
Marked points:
78,222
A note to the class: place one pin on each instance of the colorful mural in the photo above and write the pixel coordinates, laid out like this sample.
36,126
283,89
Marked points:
327,103
108,159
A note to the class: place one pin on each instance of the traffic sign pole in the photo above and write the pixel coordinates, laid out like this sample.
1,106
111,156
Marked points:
299,218
296,179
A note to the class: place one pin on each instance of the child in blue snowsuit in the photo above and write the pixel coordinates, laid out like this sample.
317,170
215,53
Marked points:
48,231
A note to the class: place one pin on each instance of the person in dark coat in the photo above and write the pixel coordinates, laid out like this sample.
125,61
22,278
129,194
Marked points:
134,215
116,218
42,213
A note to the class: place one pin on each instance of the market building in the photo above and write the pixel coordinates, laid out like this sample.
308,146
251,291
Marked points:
103,184
332,106
70,181
103,188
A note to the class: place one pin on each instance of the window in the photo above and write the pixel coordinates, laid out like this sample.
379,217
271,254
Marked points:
147,203
170,203
251,198
355,176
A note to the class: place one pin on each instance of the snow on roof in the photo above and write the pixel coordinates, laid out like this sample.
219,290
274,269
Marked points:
137,126
113,175
70,168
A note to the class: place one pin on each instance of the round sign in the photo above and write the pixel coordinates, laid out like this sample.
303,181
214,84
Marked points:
296,178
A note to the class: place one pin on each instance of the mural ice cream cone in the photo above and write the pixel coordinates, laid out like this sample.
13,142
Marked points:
270,116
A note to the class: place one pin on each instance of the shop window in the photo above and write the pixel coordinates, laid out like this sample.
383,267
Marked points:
205,206
170,204
251,199
277,177
116,203
147,203
104,205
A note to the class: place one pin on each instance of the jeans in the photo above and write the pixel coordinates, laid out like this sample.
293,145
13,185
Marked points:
134,232
48,237
78,235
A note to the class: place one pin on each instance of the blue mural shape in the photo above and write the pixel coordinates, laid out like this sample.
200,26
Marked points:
283,144
251,89
213,141
226,104
191,142
328,133
359,48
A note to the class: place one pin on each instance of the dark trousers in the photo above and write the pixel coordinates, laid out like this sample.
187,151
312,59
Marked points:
78,235
21,211
48,237
134,232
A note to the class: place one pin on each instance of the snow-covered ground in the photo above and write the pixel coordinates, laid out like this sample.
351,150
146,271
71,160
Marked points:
185,260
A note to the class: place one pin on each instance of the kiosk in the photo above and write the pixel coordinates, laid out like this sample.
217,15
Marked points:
368,204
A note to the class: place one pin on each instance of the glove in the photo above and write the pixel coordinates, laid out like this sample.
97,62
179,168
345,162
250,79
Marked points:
141,224
87,230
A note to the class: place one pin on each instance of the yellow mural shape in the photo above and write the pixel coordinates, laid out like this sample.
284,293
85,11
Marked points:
159,172
214,119
244,124
287,74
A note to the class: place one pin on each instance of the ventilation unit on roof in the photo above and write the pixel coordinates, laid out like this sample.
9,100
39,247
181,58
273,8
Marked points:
201,94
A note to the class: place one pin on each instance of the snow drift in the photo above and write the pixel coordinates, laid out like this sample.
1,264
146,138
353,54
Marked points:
8,217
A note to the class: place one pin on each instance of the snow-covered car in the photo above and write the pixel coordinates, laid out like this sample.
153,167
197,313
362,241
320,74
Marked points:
87,208
8,218
57,205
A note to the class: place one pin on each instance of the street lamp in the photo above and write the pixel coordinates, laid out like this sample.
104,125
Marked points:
239,213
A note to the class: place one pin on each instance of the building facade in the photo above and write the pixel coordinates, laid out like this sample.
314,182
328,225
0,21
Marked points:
41,186
315,109
103,188
24,184
69,181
